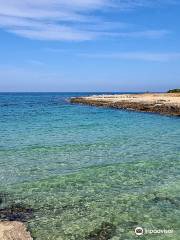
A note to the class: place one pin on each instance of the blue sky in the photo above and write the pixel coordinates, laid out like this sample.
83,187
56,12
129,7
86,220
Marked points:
89,45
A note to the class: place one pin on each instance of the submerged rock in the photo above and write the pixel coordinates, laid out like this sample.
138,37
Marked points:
12,217
16,212
172,201
105,232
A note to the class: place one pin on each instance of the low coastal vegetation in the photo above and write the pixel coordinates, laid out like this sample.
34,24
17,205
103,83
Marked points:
177,90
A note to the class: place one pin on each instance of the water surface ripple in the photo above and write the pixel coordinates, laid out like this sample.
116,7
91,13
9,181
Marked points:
88,173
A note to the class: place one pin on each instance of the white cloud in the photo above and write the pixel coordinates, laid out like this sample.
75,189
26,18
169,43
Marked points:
67,20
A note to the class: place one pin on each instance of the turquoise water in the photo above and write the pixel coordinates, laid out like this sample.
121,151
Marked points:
85,169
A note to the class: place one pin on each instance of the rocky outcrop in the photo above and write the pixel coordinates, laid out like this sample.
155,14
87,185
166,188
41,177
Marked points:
168,104
13,231
13,217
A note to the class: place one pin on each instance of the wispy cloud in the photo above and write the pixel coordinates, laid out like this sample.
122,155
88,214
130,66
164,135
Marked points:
142,56
34,62
68,20
146,33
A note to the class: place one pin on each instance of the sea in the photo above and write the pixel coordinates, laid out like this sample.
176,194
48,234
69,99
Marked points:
77,172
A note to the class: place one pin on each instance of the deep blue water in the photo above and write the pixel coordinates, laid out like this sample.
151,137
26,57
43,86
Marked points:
105,165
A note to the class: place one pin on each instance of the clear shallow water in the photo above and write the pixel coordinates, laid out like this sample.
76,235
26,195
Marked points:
81,168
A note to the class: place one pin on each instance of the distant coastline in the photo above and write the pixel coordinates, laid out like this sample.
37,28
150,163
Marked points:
162,103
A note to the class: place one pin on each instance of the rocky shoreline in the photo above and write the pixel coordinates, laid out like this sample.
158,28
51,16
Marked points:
162,103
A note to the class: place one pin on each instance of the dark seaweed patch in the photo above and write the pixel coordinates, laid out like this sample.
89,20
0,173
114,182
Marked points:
105,232
16,212
158,199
